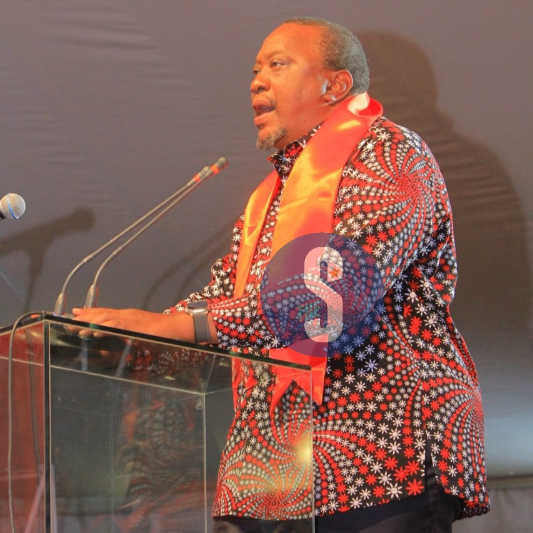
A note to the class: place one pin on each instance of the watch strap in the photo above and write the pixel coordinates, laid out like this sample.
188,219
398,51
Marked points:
199,311
201,328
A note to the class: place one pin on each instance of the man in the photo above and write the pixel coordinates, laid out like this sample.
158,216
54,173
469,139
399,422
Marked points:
398,435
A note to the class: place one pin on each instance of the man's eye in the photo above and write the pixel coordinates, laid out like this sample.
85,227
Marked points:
275,64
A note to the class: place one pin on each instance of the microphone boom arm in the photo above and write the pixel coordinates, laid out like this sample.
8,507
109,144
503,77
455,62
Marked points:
92,294
165,206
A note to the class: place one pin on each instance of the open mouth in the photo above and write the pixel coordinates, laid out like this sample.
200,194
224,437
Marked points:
262,109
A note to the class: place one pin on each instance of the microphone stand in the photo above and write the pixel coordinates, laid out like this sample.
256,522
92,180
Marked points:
92,294
206,172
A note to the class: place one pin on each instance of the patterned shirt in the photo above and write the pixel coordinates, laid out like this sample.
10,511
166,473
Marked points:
411,385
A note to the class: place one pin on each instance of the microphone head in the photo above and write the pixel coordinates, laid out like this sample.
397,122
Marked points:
12,206
221,164
208,172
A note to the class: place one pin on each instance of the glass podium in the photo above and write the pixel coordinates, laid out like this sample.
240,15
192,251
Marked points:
116,432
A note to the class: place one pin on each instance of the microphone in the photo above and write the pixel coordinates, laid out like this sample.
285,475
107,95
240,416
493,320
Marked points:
12,206
207,172
163,207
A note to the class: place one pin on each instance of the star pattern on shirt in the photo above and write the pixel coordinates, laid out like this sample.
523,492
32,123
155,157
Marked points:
407,386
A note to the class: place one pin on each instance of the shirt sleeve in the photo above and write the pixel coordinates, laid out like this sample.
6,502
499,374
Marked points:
239,324
393,203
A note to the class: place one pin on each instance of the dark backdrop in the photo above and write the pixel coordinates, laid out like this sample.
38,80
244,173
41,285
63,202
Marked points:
108,107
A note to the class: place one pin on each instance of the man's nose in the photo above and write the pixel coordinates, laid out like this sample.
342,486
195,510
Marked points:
259,84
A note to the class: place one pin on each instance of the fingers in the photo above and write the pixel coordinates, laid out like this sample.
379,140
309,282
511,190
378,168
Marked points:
135,320
90,313
99,316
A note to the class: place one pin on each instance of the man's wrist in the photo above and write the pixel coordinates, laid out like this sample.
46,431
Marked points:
199,311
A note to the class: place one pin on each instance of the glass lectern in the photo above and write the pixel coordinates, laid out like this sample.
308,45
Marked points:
115,432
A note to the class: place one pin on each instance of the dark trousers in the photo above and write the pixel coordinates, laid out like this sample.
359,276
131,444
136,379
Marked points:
433,511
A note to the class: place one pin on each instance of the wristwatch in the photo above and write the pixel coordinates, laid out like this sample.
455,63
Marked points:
199,311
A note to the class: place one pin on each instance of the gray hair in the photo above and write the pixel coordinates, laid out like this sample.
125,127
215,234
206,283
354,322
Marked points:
341,50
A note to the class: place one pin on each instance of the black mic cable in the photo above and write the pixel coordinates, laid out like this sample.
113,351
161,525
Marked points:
19,322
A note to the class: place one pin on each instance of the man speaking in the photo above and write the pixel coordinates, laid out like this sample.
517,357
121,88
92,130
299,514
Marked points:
397,420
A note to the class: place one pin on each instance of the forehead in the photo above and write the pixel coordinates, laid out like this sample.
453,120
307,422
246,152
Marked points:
296,40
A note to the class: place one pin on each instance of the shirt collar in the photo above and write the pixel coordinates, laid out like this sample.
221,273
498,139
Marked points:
284,159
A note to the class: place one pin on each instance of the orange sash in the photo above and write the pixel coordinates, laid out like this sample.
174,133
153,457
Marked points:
307,206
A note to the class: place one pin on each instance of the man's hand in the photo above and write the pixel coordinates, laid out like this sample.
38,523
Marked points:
177,326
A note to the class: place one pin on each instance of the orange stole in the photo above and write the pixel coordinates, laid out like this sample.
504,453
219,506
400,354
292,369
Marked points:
307,206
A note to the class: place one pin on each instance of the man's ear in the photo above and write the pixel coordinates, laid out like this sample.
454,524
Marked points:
339,86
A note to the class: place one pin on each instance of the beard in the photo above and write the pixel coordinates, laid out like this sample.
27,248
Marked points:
270,140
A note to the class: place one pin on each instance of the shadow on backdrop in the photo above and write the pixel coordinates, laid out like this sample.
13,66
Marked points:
494,291
35,242
196,261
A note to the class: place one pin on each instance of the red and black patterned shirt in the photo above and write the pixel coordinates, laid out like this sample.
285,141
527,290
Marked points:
410,386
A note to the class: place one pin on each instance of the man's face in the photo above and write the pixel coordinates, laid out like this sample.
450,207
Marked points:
288,86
